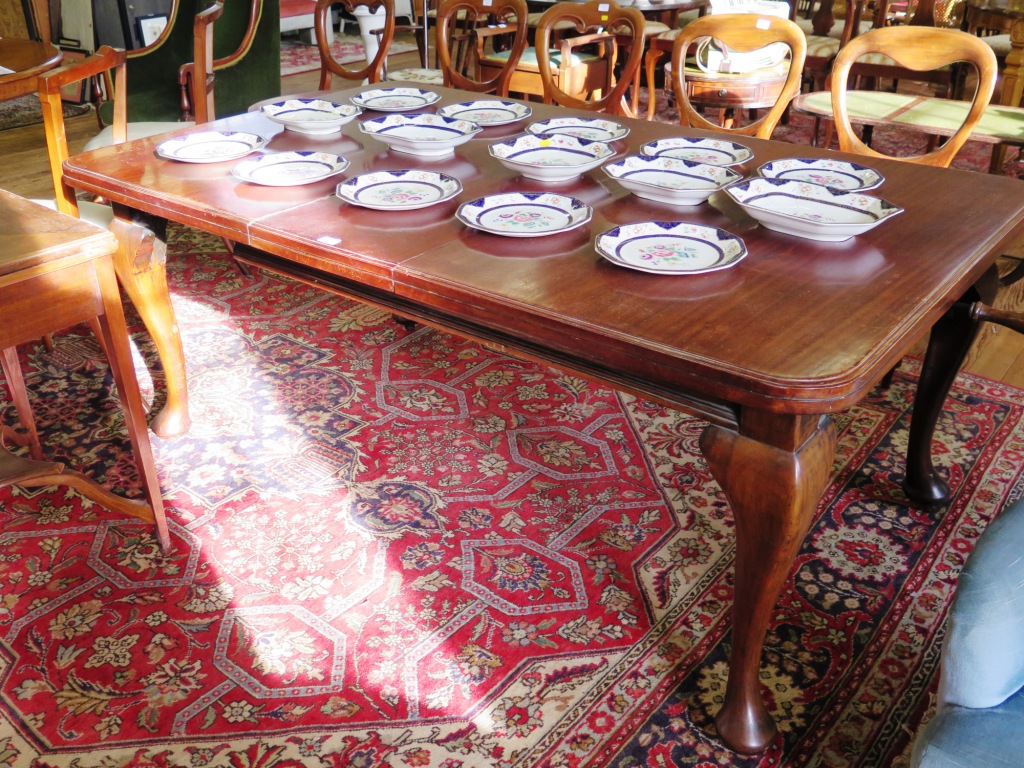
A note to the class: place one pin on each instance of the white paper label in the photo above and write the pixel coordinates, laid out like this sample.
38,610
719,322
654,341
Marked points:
328,240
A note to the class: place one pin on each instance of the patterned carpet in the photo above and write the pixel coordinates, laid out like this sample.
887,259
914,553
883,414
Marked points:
298,57
395,548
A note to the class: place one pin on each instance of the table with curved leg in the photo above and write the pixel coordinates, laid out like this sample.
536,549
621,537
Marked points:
765,351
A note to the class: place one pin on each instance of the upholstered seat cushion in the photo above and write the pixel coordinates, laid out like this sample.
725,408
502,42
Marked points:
529,58
534,19
141,130
417,75
1000,45
807,25
821,47
959,737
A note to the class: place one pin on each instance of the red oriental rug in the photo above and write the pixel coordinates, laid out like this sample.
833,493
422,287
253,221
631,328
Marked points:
396,548
297,56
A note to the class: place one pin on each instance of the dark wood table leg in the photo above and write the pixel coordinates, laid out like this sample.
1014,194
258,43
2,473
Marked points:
950,340
141,264
774,472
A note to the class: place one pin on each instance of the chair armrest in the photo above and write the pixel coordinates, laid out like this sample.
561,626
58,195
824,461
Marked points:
197,91
492,30
983,656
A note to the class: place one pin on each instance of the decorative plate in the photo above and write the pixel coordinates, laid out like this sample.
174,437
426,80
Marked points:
550,158
487,112
210,146
398,190
671,247
524,214
310,115
838,174
421,134
671,181
810,210
707,151
589,128
395,99
289,169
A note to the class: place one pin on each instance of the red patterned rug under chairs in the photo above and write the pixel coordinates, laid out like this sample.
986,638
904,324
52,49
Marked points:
297,56
396,548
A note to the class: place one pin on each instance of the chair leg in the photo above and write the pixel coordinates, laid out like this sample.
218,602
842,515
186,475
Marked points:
16,384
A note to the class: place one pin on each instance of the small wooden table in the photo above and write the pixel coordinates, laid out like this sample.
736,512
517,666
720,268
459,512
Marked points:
26,60
992,17
765,351
56,271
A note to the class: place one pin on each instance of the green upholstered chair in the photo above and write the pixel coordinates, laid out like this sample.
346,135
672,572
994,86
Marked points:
247,61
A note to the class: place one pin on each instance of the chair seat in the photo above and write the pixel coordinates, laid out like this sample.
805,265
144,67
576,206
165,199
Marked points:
105,138
529,58
807,25
417,75
686,17
534,18
821,47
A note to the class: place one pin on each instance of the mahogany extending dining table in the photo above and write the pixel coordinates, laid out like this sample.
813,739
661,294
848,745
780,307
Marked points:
765,351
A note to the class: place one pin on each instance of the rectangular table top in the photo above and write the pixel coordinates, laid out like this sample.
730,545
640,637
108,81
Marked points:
798,326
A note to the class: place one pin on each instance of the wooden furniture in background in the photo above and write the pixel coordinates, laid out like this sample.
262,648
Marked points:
329,66
772,87
27,59
464,28
139,263
56,272
768,389
919,49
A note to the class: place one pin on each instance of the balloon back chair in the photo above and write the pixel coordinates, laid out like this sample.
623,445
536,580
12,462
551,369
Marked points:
329,66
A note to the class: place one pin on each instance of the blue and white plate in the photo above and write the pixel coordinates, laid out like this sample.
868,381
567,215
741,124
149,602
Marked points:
707,151
671,181
671,247
210,146
589,128
398,190
289,169
838,174
810,210
551,158
395,99
422,135
313,116
524,214
487,112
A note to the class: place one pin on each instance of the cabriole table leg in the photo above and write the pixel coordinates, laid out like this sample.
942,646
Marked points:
773,472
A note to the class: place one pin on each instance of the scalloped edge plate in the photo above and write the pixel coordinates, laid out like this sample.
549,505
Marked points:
586,128
395,99
663,247
555,158
707,151
487,112
411,189
670,180
310,116
445,133
210,146
838,174
512,214
289,169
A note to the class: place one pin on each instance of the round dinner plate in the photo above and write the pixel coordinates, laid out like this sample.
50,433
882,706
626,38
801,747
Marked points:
398,190
487,112
706,151
588,128
289,169
395,99
671,247
210,146
524,214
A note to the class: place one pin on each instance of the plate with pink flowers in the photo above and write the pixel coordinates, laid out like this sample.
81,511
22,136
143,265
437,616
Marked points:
671,247
524,214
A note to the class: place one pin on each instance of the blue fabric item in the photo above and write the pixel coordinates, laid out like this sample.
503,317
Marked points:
959,737
983,658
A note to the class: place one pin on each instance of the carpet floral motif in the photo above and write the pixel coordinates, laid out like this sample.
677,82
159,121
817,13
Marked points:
297,56
395,548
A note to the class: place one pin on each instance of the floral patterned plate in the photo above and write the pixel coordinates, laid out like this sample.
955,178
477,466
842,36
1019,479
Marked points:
210,146
550,158
398,190
422,135
289,169
314,116
395,99
810,210
487,112
671,181
524,214
589,128
838,174
671,247
707,151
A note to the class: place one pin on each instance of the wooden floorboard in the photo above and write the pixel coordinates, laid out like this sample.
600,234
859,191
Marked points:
999,353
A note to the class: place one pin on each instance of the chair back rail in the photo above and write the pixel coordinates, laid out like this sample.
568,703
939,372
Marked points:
329,66
463,28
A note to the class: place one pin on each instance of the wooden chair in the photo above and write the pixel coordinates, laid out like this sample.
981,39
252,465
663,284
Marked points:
468,31
916,49
137,258
581,72
744,32
329,66
56,272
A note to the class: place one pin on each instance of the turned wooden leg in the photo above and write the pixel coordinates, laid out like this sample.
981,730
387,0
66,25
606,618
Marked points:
773,473
950,340
16,384
141,262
